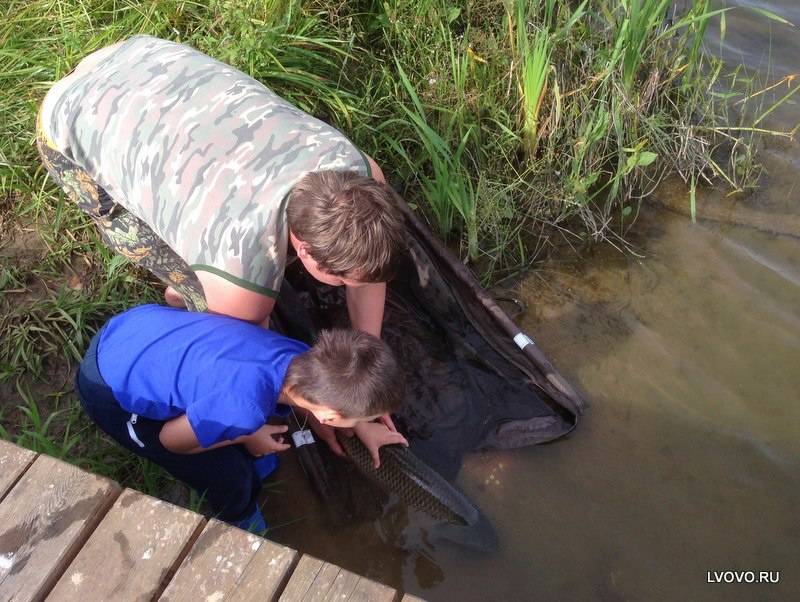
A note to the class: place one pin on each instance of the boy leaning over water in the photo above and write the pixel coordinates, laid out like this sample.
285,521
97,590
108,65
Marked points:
193,392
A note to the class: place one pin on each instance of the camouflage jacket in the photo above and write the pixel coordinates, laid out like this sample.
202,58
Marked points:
202,153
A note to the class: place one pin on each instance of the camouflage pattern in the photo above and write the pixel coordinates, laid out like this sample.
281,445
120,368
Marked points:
121,230
200,152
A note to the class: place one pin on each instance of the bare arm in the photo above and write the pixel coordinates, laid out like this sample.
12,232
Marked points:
178,436
365,305
377,172
228,299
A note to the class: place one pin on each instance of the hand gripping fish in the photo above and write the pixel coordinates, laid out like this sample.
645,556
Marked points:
403,474
416,484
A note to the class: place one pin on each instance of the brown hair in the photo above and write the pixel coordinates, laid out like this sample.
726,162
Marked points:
351,224
349,371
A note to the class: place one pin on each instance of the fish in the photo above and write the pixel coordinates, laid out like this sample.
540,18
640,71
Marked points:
448,513
419,486
413,481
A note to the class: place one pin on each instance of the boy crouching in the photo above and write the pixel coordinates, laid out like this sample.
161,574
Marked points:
193,392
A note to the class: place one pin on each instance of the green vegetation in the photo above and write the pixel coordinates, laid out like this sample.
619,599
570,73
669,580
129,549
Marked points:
502,121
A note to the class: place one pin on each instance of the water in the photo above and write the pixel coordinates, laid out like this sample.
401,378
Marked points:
688,461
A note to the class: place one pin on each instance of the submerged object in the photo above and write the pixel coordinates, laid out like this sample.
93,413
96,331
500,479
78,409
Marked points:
419,486
356,490
413,481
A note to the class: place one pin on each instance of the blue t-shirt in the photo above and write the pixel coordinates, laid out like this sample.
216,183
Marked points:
223,373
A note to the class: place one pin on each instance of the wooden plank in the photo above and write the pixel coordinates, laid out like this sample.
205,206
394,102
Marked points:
341,588
44,520
267,574
302,579
316,581
368,590
214,566
411,598
131,552
322,583
14,460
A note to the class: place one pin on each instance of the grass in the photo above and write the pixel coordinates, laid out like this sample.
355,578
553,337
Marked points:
506,123
534,70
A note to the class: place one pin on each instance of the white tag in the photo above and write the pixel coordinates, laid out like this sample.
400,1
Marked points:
132,432
522,340
302,437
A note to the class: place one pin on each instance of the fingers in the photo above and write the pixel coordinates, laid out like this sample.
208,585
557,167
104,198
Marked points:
376,457
336,448
388,437
387,420
393,437
275,441
279,446
330,438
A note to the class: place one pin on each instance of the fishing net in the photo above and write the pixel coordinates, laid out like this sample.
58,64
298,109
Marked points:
473,380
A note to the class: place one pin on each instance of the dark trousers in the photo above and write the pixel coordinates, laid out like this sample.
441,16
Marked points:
225,476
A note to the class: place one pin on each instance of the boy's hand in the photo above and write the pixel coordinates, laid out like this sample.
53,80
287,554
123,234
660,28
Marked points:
327,434
376,434
387,420
266,440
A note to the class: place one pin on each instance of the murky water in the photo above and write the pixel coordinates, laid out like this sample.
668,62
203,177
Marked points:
688,461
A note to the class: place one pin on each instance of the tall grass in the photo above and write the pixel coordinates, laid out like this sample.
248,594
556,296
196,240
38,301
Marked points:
501,121
448,189
534,68
576,109
639,20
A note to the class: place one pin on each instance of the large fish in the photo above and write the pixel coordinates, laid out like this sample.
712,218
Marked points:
415,483
454,517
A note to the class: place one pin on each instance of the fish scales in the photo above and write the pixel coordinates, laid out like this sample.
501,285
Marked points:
413,481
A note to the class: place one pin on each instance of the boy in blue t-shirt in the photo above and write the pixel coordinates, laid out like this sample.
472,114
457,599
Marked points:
193,393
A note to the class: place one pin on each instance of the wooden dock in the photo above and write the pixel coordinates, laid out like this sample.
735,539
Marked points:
66,534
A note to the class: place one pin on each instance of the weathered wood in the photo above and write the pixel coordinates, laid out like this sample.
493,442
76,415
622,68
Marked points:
302,579
316,581
48,541
214,567
214,564
14,460
371,591
343,585
44,520
267,574
131,552
322,583
411,598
